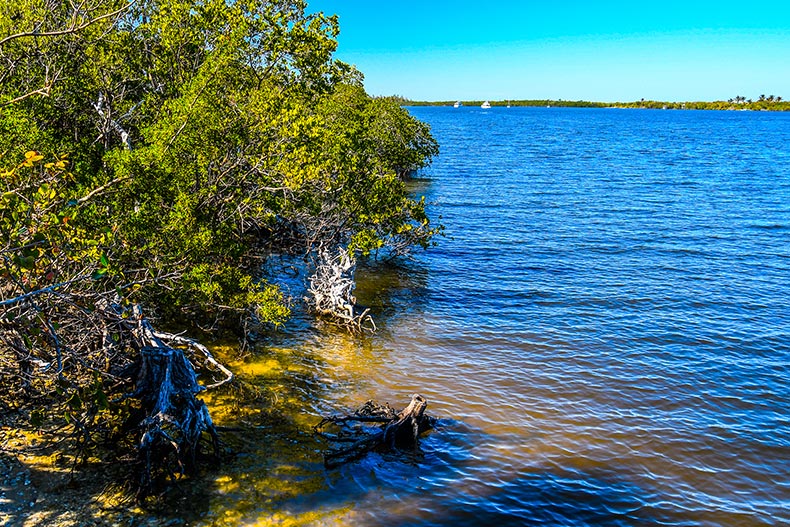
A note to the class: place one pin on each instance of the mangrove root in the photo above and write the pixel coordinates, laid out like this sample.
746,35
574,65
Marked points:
374,427
331,289
175,418
91,346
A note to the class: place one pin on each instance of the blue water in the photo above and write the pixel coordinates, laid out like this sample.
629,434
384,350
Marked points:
604,332
610,310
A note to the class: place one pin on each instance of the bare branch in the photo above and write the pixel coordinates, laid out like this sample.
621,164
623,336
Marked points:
177,339
99,190
32,294
73,29
43,92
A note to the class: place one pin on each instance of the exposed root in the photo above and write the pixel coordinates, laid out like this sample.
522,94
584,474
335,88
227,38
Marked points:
332,287
175,418
389,430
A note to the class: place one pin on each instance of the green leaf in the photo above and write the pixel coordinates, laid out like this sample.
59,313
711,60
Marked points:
37,417
26,262
75,402
101,399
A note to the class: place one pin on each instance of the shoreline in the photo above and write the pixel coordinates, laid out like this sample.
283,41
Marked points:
771,106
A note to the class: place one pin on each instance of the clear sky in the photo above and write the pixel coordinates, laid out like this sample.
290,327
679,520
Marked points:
592,50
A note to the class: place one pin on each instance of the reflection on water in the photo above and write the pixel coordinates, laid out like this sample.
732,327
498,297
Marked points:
603,336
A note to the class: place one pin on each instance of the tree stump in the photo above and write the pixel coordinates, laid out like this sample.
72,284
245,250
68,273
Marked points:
388,430
175,418
332,290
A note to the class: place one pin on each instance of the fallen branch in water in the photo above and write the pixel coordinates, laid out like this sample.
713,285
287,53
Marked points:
390,430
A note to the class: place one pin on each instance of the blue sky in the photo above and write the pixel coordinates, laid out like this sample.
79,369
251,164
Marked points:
602,51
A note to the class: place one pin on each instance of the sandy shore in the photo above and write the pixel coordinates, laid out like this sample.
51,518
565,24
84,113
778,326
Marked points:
39,489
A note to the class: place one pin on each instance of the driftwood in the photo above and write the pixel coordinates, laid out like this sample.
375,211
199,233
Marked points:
175,418
388,430
331,290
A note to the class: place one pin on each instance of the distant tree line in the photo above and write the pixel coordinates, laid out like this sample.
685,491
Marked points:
770,103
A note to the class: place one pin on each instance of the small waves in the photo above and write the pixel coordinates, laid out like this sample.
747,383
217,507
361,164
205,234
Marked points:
610,311
604,333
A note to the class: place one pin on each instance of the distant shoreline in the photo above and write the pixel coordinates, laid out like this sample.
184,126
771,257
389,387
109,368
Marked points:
759,105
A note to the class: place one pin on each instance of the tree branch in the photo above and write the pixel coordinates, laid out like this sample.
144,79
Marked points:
68,31
177,339
101,189
32,294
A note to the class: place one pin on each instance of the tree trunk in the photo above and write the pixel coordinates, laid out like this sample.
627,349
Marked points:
175,418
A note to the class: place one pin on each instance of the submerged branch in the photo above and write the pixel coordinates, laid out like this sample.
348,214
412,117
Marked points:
395,429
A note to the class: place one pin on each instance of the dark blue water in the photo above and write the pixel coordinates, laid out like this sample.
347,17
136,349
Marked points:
604,332
611,311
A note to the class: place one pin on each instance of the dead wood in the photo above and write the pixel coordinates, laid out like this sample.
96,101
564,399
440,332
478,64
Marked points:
387,430
331,290
66,352
176,419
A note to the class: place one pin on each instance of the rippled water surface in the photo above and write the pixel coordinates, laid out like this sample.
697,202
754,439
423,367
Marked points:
604,334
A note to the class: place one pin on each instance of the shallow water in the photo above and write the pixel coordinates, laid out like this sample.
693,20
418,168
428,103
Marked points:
604,334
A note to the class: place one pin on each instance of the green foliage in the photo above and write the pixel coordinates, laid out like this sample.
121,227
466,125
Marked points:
196,133
765,105
43,241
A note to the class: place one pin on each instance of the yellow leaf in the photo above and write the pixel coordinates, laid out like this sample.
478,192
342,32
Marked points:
31,156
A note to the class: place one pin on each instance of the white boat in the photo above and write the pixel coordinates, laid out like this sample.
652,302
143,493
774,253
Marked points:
485,105
457,104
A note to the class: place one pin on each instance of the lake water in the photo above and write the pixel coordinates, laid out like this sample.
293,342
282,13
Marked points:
604,335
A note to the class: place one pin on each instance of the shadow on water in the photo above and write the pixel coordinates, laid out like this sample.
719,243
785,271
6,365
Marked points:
392,289
289,381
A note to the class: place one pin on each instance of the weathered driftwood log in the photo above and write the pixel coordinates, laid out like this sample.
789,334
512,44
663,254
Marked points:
389,430
332,287
175,418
